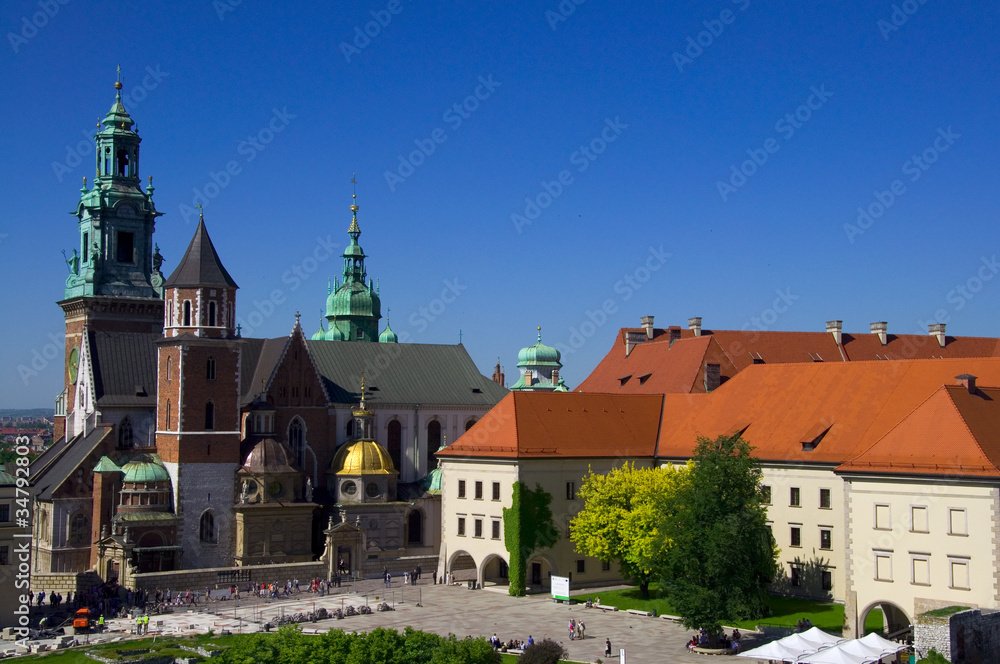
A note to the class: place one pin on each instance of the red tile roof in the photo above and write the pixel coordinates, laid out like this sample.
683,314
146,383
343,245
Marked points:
559,424
953,432
779,407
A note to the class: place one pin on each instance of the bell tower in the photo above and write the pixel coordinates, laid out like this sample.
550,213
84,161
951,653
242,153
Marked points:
114,282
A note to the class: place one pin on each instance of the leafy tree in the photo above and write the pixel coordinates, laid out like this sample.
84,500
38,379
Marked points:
933,657
723,555
623,519
545,651
527,526
471,651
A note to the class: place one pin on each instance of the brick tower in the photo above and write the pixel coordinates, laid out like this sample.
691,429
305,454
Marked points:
198,417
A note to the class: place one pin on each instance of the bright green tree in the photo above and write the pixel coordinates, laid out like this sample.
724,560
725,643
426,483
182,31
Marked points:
723,555
527,526
624,519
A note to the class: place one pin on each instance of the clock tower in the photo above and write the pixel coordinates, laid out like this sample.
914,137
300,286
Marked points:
114,282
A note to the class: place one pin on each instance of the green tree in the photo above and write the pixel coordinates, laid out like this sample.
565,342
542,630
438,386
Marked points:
624,519
933,657
528,526
723,555
545,651
471,651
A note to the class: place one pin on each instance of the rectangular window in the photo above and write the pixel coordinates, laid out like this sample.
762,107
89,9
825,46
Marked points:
461,488
825,502
827,579
461,526
765,494
479,528
825,538
86,247
959,574
882,517
605,566
4,513
795,577
920,570
918,519
570,490
957,522
581,566
496,491
125,247
496,529
794,498
796,536
883,566
479,490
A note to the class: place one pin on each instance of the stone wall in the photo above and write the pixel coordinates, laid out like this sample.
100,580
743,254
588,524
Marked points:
967,637
64,582
223,577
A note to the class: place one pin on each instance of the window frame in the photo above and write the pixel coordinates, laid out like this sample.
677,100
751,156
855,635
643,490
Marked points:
477,527
965,562
478,489
926,519
919,557
828,533
882,553
888,518
965,521
794,497
496,531
461,489
461,526
496,491
765,494
829,498
795,536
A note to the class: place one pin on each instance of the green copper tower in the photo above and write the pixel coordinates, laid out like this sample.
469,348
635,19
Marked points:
353,308
116,219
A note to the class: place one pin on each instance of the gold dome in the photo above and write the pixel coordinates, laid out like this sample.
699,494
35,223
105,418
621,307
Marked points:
362,457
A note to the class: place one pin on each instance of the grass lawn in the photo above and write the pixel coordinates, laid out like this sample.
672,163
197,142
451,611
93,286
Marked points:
161,646
785,611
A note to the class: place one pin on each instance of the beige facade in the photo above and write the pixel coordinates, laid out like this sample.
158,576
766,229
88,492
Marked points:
917,544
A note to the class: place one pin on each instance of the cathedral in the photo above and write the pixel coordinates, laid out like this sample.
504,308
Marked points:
181,444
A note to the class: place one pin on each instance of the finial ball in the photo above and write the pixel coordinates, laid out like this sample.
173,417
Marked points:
118,85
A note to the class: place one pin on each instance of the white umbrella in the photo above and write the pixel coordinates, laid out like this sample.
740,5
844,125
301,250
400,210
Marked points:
850,652
819,636
876,641
774,651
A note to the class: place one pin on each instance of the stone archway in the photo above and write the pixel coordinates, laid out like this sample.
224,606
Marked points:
894,621
463,566
538,571
494,570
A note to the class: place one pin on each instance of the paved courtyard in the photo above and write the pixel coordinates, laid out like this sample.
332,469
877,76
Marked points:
453,610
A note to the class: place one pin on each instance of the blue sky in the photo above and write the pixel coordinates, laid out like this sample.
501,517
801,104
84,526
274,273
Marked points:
676,159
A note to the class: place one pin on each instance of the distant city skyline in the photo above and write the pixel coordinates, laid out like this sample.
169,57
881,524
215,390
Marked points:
554,164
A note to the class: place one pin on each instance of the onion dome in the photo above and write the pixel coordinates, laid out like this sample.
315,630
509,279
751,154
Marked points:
269,456
334,333
362,457
539,355
388,336
145,470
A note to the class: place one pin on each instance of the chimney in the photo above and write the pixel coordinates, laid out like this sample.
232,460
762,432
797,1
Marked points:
836,328
882,330
694,324
633,339
527,379
968,381
713,376
937,330
675,333
647,324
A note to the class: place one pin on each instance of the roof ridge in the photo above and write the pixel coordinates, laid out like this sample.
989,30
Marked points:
972,434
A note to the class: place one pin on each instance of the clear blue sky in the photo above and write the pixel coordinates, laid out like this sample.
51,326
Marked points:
606,78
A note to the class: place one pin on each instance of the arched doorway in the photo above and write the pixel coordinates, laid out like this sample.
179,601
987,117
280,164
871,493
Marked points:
463,566
415,528
894,620
494,571
539,572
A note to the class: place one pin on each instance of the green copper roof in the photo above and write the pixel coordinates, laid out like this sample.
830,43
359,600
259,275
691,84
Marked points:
106,465
539,355
388,336
147,468
6,479
334,333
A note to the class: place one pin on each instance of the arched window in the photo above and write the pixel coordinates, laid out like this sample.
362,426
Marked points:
211,314
209,416
170,367
415,527
350,428
207,527
187,313
394,442
210,369
468,425
125,433
297,442
433,443
79,530
168,415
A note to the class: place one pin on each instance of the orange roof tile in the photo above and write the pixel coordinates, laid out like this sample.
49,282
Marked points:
783,406
953,432
560,424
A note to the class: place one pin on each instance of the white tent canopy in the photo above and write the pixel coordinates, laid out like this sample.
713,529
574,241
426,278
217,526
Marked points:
794,646
815,646
868,650
773,651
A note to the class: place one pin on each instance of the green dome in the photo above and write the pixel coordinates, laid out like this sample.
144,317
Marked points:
353,298
334,334
320,334
145,470
539,355
388,336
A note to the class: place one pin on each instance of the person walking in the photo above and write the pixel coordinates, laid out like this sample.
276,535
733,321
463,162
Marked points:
607,647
